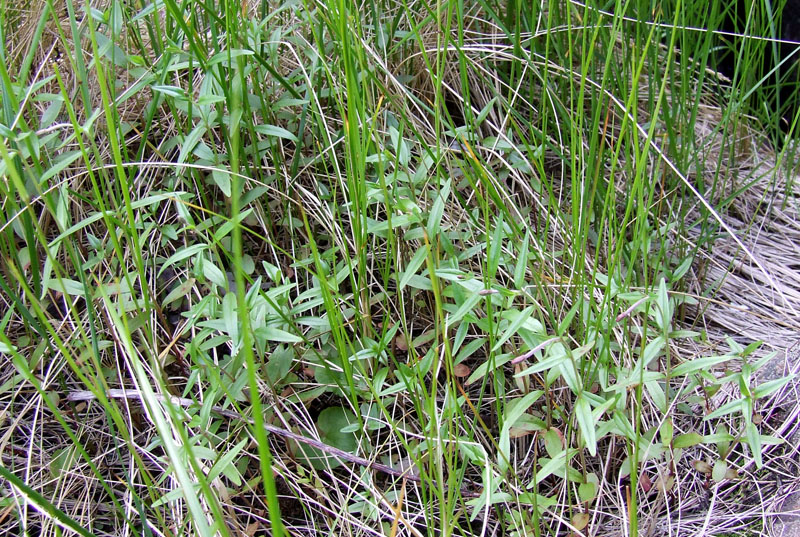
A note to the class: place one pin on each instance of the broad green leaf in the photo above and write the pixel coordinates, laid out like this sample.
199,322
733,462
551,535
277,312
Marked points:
330,424
552,466
51,113
679,334
565,323
484,113
570,375
279,364
656,393
400,147
214,274
66,286
173,496
667,432
189,143
175,92
62,208
553,442
470,348
663,308
223,180
719,470
719,437
587,491
228,225
63,460
58,164
653,350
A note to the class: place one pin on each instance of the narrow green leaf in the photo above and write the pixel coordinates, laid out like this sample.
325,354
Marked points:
519,320
223,57
270,333
179,292
61,162
273,130
515,412
522,263
551,466
724,410
413,266
687,440
225,462
555,359
484,113
182,254
583,413
466,307
754,441
230,317
437,210
767,388
697,364
495,249
663,309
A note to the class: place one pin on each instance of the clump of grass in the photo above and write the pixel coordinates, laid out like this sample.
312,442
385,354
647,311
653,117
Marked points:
455,268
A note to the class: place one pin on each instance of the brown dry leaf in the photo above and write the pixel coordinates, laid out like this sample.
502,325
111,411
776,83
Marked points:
521,382
580,520
646,482
702,466
518,432
461,371
400,342
665,484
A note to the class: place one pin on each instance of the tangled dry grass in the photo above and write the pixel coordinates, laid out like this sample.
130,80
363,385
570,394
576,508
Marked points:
746,290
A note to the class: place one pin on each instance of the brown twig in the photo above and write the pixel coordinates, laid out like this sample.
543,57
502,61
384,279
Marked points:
325,448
